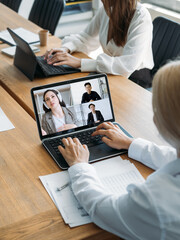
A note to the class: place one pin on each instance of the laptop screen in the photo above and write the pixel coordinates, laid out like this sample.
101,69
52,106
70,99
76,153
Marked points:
72,105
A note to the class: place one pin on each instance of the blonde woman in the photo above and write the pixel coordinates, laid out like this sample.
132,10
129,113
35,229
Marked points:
150,210
123,29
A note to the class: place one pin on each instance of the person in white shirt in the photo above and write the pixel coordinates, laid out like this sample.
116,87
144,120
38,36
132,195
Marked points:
123,29
149,210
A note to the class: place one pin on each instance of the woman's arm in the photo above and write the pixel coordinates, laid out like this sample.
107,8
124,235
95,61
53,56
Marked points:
66,127
85,42
116,214
70,117
150,154
44,125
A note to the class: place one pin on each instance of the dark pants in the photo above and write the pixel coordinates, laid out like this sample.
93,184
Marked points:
142,77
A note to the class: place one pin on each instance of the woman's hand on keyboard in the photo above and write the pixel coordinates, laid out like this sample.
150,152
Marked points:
113,136
60,56
49,53
74,152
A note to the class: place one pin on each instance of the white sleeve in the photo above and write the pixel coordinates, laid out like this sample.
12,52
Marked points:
118,215
137,47
150,154
87,40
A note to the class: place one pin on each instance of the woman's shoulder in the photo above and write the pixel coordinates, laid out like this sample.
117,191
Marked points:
101,13
141,11
46,115
141,18
67,111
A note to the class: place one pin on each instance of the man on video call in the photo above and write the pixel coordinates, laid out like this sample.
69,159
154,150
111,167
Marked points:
89,96
94,116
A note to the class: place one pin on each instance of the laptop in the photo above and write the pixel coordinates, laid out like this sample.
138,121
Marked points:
35,66
76,120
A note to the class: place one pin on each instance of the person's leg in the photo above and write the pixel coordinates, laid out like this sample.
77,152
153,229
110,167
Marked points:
142,77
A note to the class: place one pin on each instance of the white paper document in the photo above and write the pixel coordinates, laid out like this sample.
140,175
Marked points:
115,174
5,123
27,35
10,51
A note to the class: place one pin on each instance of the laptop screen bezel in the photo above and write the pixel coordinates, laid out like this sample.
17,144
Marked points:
53,85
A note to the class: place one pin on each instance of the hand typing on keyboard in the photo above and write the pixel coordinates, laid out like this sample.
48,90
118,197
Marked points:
74,152
113,136
59,56
54,50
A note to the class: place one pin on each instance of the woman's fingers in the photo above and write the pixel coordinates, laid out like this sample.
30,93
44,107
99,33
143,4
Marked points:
65,142
105,125
48,53
104,133
85,147
61,149
57,57
76,140
70,142
106,140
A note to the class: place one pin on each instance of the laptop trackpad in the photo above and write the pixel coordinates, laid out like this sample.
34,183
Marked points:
102,151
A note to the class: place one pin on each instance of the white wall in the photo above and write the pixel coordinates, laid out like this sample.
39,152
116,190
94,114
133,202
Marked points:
156,11
25,8
76,22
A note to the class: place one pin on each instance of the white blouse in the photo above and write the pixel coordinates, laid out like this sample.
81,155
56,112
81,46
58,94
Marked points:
149,210
135,55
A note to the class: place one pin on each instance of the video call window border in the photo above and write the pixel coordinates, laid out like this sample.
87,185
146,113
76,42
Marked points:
101,81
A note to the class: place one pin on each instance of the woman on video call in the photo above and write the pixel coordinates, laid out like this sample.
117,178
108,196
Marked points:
57,117
149,210
123,29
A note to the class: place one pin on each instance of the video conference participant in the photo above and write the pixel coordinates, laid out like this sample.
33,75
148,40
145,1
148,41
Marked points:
149,210
94,116
89,95
123,29
57,117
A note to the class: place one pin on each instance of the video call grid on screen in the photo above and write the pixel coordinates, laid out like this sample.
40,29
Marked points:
71,94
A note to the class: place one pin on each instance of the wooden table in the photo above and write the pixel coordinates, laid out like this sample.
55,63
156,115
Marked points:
27,211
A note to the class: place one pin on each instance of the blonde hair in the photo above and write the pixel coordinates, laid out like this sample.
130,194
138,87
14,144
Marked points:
166,102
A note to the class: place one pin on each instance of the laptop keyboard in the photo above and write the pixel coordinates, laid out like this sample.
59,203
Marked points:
50,69
84,137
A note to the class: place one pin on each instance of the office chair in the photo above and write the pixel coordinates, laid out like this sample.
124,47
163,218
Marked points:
46,13
165,46
13,4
